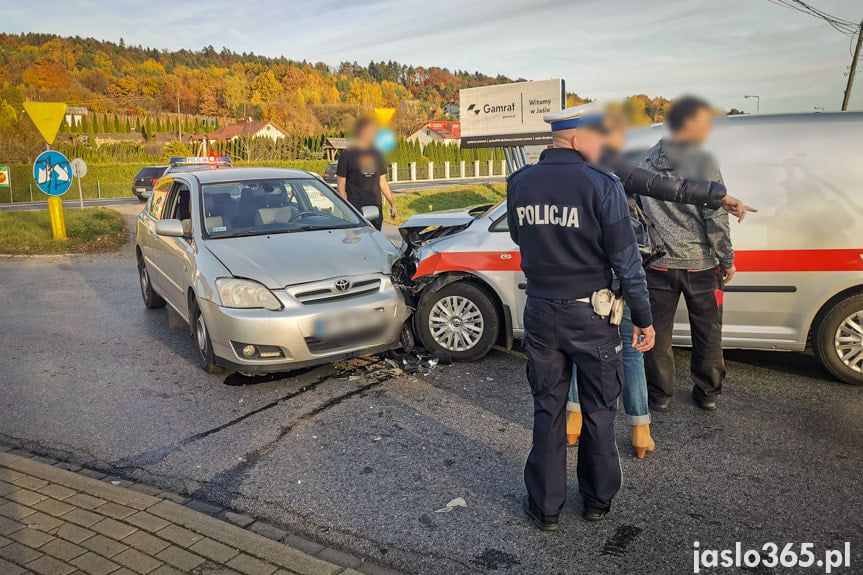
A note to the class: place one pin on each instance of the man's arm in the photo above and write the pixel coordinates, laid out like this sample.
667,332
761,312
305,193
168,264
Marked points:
622,250
342,174
340,186
385,190
511,220
719,229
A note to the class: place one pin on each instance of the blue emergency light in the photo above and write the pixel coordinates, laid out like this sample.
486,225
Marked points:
200,160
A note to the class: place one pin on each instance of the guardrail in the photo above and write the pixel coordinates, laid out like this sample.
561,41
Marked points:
431,172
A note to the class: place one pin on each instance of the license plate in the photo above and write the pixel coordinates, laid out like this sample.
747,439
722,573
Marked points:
140,189
348,323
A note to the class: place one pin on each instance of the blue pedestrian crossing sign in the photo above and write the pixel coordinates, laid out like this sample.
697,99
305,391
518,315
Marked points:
53,173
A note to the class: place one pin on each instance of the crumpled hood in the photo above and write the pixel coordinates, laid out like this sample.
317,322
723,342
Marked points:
421,228
281,260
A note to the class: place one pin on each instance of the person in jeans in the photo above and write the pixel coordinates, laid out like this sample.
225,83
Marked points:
698,263
361,175
640,182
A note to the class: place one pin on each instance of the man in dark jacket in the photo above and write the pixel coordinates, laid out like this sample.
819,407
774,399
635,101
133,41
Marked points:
571,222
698,263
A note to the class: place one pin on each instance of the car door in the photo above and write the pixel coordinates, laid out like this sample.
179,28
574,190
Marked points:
509,274
174,256
148,241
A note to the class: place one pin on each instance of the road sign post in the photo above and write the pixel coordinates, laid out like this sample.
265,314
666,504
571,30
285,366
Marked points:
79,170
53,174
58,222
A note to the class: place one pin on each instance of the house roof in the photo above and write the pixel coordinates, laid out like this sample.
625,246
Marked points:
446,130
335,144
243,129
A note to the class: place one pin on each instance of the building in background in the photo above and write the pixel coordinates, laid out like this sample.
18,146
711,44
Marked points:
75,114
436,131
243,129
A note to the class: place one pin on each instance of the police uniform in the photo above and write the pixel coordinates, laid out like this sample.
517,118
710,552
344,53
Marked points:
571,221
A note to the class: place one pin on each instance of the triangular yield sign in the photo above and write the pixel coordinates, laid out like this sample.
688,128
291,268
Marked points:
47,116
384,115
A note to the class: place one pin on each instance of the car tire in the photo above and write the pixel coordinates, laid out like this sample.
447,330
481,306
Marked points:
152,300
141,198
201,338
465,320
838,340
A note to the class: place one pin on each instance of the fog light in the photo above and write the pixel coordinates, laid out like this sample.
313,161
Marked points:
249,351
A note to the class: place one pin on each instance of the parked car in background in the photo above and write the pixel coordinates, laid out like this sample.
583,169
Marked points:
142,185
150,175
330,174
799,260
271,268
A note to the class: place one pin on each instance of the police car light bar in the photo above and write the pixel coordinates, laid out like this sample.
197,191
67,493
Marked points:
200,160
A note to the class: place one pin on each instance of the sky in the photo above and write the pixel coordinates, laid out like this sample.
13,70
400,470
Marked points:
603,49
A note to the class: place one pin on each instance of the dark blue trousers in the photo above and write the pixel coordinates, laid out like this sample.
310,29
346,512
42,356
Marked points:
558,334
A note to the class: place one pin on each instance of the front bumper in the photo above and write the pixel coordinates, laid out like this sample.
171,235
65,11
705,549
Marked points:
293,331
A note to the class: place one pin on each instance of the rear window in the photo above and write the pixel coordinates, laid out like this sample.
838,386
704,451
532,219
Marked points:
150,172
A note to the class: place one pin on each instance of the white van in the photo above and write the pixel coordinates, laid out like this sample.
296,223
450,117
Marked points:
799,259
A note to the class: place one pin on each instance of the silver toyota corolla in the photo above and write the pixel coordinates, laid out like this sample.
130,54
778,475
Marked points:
271,268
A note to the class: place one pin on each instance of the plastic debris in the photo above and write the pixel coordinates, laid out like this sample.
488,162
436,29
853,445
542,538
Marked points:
378,438
433,362
115,483
457,502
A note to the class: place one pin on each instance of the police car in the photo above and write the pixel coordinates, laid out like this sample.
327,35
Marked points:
179,164
799,260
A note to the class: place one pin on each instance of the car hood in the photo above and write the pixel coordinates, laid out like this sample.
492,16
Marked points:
422,228
281,260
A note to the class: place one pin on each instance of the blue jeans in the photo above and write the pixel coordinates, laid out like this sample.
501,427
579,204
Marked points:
635,381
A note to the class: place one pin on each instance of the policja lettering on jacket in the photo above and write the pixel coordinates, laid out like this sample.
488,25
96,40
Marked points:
547,214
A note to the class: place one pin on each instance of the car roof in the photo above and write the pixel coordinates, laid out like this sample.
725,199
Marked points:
209,176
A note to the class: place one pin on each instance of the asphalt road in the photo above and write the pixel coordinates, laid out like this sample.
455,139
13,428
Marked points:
401,187
361,460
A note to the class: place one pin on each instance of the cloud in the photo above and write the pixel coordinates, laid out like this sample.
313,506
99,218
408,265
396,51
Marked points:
600,47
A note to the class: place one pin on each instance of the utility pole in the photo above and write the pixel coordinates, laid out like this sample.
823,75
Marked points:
853,68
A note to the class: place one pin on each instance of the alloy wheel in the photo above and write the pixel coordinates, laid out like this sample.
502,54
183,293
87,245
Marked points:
848,341
456,323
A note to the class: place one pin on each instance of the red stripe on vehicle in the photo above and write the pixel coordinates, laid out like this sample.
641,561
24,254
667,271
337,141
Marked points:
469,261
799,260
745,261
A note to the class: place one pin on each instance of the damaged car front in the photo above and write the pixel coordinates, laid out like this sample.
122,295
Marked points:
461,273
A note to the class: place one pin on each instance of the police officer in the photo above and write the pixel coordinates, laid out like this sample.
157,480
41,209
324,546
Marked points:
571,222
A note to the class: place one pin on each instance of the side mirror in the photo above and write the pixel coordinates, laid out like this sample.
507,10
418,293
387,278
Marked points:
147,195
371,212
170,228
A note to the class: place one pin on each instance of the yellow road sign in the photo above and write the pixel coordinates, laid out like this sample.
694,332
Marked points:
47,116
384,115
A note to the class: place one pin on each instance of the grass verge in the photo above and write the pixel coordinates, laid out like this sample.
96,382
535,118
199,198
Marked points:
91,230
450,198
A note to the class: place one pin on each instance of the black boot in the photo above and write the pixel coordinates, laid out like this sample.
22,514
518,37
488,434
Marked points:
595,513
705,403
658,403
543,522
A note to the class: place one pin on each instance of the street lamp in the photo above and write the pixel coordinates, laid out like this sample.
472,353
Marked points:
757,101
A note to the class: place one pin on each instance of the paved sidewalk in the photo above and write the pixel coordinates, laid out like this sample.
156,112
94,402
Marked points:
54,521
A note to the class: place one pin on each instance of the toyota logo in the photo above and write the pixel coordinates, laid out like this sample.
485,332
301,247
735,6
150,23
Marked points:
343,285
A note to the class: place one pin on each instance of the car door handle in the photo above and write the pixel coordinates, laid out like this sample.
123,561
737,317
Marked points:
522,286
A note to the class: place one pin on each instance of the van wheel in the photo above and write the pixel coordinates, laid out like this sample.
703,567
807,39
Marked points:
201,336
459,319
838,340
152,300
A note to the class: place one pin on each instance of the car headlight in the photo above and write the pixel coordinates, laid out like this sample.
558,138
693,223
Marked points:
246,294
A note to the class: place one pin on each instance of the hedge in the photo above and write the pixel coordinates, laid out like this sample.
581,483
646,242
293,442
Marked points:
115,180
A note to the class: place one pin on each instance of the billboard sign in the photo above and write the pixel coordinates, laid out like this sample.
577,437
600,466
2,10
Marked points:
509,114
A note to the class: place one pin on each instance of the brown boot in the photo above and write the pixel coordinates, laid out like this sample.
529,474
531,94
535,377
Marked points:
641,440
573,427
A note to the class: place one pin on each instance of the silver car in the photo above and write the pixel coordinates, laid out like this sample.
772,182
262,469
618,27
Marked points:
799,259
271,268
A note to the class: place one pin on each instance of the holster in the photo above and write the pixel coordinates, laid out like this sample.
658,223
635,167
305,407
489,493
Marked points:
607,304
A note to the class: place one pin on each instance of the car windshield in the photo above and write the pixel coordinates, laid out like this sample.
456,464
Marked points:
276,206
490,210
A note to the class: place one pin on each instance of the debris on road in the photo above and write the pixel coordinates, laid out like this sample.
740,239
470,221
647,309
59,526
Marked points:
457,502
